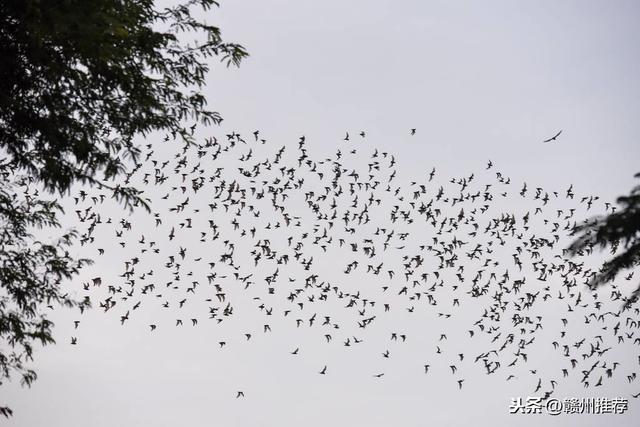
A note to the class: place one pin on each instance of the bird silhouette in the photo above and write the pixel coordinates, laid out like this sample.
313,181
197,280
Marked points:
553,138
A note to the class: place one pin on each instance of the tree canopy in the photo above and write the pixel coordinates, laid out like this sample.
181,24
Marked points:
80,80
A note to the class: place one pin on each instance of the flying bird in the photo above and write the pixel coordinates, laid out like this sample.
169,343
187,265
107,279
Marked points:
553,138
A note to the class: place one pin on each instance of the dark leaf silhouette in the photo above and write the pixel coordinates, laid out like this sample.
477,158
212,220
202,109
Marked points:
619,231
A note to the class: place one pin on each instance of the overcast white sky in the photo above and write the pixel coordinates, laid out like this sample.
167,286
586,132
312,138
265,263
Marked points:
479,81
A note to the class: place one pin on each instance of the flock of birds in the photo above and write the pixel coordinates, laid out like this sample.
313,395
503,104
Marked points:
337,245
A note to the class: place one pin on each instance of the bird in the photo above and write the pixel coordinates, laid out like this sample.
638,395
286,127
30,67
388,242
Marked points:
553,138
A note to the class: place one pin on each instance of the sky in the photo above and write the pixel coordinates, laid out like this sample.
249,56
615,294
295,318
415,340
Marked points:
479,82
